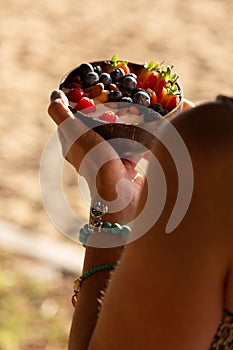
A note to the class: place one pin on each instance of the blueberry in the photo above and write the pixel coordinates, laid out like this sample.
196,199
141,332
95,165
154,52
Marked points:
137,90
114,96
98,70
142,98
133,75
105,78
157,107
126,93
84,69
128,82
152,115
126,99
117,74
91,79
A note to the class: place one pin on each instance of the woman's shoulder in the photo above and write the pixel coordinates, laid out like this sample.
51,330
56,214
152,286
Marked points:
198,180
208,123
207,132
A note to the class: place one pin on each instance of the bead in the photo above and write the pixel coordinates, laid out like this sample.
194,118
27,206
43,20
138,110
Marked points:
106,226
82,233
86,229
125,230
83,241
116,228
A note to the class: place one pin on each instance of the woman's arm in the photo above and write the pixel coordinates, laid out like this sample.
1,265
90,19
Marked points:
77,141
87,309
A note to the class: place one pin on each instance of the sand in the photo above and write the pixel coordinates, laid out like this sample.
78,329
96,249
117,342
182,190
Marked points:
42,40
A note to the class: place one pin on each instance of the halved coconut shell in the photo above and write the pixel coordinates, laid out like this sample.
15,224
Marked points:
141,135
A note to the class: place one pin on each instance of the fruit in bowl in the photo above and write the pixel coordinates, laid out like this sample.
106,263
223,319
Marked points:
123,100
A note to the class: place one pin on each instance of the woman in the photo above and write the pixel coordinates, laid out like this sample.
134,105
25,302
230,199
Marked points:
169,291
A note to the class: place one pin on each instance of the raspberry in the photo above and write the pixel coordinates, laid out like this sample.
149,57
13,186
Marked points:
109,116
74,95
86,103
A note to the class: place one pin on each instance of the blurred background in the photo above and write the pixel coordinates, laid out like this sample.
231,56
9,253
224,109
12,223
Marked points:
39,42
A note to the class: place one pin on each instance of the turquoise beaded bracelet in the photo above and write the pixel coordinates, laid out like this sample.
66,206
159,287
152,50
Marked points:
105,227
79,280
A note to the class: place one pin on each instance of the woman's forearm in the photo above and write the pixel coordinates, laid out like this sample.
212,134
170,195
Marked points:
86,311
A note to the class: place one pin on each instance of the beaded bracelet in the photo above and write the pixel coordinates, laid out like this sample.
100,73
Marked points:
105,227
98,210
79,280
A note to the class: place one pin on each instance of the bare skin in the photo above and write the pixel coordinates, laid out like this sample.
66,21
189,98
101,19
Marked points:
169,290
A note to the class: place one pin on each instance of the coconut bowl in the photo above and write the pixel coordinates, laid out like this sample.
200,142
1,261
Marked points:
130,138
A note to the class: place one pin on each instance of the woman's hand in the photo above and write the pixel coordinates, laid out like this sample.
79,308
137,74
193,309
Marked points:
109,177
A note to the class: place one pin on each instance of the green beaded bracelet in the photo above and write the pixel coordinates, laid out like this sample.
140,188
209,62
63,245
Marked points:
79,280
105,227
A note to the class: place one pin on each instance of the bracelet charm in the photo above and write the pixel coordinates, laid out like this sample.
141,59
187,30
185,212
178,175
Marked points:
98,210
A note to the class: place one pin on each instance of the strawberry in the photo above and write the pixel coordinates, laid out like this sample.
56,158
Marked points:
165,77
86,103
114,63
109,116
154,77
169,96
148,75
124,66
74,95
153,96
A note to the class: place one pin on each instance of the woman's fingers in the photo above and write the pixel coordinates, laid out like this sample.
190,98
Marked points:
58,108
75,137
70,126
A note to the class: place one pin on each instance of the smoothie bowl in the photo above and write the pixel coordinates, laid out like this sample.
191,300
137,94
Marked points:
123,100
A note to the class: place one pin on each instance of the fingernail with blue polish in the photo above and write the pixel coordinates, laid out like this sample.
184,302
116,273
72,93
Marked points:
54,95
